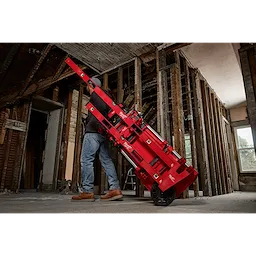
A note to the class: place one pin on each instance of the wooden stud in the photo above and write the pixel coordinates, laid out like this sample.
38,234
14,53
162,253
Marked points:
202,154
191,126
60,69
76,163
5,113
209,137
177,113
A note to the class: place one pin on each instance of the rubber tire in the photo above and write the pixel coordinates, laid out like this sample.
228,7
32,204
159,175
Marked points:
162,198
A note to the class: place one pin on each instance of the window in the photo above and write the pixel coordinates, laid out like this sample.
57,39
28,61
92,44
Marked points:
188,154
246,151
188,150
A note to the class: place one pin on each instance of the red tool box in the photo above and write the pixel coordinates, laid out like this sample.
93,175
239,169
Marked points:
159,167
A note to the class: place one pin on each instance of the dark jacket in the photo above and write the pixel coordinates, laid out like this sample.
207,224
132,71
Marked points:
92,124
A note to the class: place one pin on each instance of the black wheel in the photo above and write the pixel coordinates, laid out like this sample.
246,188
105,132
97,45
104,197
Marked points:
162,198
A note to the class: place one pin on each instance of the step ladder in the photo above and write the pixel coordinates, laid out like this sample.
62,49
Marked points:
131,181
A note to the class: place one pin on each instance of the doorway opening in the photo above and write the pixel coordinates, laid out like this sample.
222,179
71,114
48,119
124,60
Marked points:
33,161
43,147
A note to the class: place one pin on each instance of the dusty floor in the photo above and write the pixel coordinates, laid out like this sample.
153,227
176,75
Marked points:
33,202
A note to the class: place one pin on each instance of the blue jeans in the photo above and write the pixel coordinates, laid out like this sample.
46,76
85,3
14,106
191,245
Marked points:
93,142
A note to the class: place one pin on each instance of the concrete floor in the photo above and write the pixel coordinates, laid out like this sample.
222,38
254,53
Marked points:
34,202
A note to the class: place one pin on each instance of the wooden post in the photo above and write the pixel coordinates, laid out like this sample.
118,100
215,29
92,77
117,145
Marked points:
177,113
138,106
120,95
209,137
202,154
7,150
67,128
191,126
219,144
76,162
103,180
6,114
248,63
18,166
215,145
222,142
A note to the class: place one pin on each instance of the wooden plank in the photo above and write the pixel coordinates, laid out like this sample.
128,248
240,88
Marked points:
60,68
228,153
22,140
236,160
219,144
163,119
223,147
16,125
209,137
177,113
160,120
138,85
202,154
8,60
6,155
138,106
103,178
38,87
6,114
76,162
67,128
250,88
191,126
35,68
58,151
120,95
214,141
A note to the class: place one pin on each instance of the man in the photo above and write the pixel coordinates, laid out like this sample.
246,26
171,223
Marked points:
94,141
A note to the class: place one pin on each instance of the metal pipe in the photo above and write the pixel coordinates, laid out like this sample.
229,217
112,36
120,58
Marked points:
128,159
157,135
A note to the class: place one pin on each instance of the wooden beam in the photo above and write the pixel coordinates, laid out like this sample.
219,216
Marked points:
163,118
223,149
166,113
120,95
228,152
37,87
209,138
21,148
214,141
60,68
36,67
8,60
160,120
202,154
103,179
138,85
191,125
7,150
76,162
138,106
66,138
177,113
177,46
219,143
4,116
248,64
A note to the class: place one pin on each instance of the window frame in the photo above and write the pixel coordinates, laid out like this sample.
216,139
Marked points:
238,150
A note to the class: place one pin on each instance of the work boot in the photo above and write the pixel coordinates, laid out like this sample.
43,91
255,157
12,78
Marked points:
112,195
84,196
